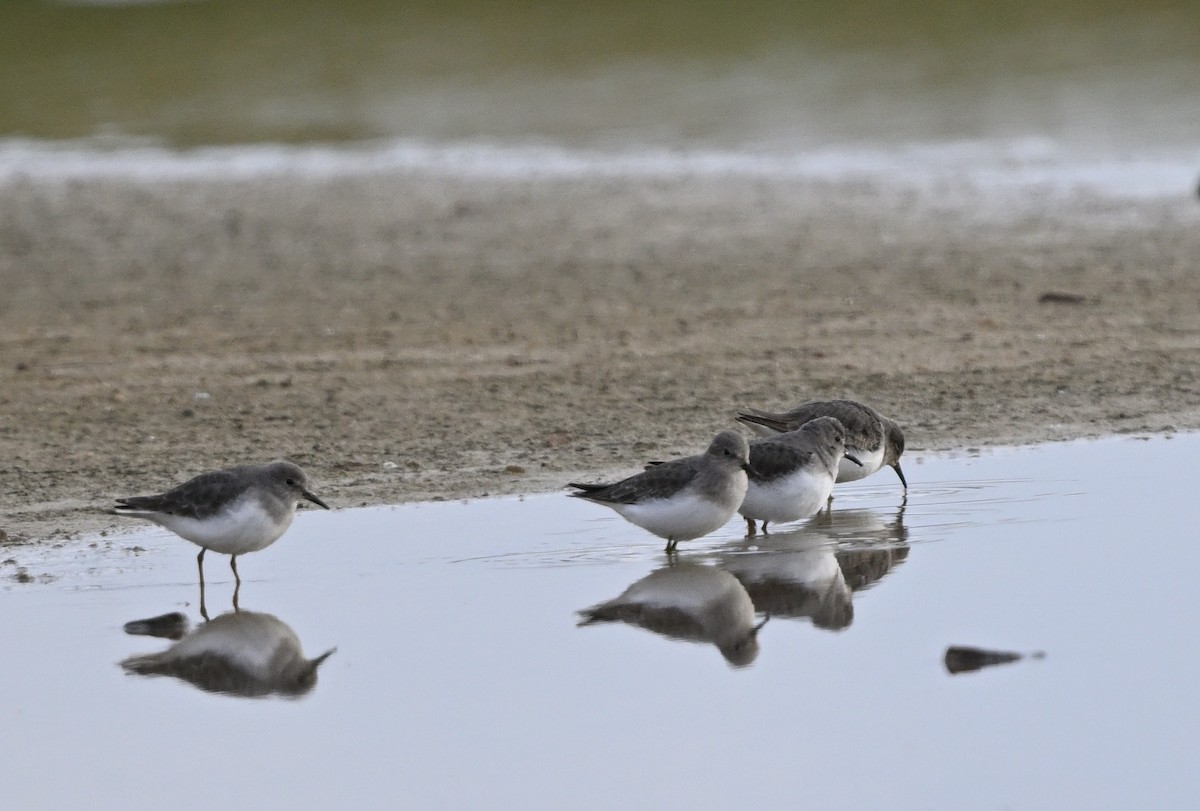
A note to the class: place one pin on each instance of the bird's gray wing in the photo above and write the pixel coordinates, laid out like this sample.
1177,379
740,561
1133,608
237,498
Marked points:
200,497
656,482
668,621
863,426
767,419
772,459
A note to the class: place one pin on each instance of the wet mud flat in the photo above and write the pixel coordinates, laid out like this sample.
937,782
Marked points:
412,335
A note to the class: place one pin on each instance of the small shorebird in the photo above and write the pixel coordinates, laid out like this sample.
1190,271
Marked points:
688,601
871,438
233,511
793,473
684,498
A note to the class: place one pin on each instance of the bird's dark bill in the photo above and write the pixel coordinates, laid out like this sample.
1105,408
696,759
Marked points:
314,499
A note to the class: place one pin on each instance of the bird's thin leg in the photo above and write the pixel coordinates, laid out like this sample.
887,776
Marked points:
670,546
237,587
200,566
237,580
751,530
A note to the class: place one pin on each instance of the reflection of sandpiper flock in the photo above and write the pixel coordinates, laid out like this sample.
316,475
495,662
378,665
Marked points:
784,475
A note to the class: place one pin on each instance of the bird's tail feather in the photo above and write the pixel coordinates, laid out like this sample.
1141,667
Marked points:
762,418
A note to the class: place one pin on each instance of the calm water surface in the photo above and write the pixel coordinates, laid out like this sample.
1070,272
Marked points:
1082,88
461,680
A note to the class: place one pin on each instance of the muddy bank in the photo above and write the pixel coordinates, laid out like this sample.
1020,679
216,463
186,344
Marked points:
414,336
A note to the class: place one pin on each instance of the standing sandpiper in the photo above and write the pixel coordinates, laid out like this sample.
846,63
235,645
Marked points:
684,498
793,472
233,511
871,438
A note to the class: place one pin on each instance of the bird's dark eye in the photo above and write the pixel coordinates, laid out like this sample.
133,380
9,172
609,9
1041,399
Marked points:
291,482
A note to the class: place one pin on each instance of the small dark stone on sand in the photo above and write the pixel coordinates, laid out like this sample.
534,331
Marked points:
1061,298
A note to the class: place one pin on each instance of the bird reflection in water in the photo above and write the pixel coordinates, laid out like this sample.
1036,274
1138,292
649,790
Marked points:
868,547
692,602
242,653
813,571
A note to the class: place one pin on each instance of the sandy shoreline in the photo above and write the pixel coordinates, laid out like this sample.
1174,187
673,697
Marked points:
414,336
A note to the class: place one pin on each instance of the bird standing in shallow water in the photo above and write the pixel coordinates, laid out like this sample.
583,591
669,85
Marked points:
684,498
793,472
232,511
871,438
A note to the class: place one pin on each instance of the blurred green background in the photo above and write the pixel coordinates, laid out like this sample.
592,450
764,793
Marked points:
1095,75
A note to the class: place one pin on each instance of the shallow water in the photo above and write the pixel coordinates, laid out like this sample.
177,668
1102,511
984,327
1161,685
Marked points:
1029,91
220,71
460,678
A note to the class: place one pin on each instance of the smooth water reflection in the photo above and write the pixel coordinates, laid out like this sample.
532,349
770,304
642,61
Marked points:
688,601
241,653
810,570
461,679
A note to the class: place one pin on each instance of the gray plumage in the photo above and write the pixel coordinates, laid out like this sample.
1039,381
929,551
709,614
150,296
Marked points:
233,511
819,442
792,473
684,498
873,438
206,495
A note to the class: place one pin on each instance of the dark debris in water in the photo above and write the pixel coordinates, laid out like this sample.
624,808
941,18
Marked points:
22,575
962,659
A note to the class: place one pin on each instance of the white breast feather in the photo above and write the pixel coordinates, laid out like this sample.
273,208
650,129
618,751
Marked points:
681,518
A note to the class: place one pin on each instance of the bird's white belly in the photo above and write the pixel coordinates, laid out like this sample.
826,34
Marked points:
692,588
681,518
788,498
871,462
244,527
810,561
